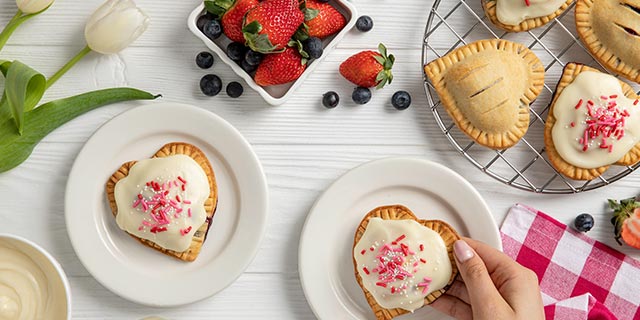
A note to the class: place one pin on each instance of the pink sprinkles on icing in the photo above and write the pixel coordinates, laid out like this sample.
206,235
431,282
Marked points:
396,262
605,122
160,207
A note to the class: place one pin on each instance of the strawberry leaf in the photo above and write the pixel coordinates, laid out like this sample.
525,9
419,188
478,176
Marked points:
302,33
310,14
379,59
219,7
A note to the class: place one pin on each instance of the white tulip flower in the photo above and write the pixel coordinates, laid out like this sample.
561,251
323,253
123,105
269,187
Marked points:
114,26
33,6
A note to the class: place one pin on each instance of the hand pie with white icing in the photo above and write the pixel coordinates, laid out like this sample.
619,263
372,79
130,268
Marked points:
593,122
486,87
610,29
402,263
523,15
166,202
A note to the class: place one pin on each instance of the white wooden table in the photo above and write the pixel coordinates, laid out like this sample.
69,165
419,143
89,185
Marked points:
303,147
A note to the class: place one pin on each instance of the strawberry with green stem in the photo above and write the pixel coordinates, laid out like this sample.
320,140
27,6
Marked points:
369,68
269,26
231,13
626,221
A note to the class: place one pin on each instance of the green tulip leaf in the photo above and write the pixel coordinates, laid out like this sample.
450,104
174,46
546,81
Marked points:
24,87
39,122
4,67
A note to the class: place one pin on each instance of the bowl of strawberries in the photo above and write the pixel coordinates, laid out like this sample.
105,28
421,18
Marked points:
272,44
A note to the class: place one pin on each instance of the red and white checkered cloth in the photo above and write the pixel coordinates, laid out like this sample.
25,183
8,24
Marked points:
580,278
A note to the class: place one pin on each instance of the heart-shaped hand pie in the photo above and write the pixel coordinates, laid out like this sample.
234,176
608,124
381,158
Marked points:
523,15
611,31
486,87
593,122
402,263
166,202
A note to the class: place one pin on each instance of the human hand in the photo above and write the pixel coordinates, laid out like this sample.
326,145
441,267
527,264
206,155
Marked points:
493,286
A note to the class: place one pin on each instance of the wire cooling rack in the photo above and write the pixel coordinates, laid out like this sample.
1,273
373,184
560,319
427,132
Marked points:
454,23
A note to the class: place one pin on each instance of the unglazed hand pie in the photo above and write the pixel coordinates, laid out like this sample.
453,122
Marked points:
611,31
523,15
402,263
486,87
593,122
166,202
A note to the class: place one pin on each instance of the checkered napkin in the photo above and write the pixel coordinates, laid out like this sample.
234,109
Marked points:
580,278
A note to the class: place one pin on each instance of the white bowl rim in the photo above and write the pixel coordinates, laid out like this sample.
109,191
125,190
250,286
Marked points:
60,271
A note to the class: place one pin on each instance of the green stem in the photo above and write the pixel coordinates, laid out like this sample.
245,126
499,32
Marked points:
67,66
10,28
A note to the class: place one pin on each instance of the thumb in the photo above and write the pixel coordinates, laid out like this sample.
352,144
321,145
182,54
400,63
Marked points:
477,280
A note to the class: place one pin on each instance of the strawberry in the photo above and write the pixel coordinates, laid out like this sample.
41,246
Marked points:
369,68
279,68
323,19
626,221
269,26
231,13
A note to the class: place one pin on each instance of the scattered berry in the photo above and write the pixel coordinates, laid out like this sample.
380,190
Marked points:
203,20
584,222
364,23
247,67
401,100
236,51
210,85
313,46
361,95
330,99
234,89
369,68
204,60
253,58
212,29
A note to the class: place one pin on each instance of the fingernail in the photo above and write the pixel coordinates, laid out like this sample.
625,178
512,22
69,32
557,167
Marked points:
462,250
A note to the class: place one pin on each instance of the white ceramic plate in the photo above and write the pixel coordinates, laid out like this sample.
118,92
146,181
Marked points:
275,95
430,190
139,273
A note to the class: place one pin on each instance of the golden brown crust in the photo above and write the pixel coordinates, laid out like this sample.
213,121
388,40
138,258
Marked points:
570,72
210,204
489,7
399,212
486,87
609,29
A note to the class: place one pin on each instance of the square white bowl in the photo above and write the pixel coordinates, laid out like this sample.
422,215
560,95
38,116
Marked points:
278,94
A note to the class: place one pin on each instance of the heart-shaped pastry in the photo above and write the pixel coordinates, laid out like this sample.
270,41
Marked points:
593,122
486,87
611,31
166,202
402,263
523,15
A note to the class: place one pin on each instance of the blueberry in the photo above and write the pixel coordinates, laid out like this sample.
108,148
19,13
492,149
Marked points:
313,46
236,51
213,29
247,67
361,95
210,85
330,99
253,58
584,222
204,19
364,23
401,100
234,89
204,60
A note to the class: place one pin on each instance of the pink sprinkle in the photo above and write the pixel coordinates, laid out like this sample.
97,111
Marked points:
145,207
189,212
415,264
179,210
182,180
393,290
423,260
140,228
636,102
363,251
147,223
185,201
139,196
365,270
573,124
604,97
381,284
371,249
415,270
613,96
579,104
421,247
178,197
136,203
176,215
590,102
400,238
183,187
610,148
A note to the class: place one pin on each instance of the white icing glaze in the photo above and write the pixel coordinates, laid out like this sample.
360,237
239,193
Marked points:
513,12
437,267
139,220
26,292
590,85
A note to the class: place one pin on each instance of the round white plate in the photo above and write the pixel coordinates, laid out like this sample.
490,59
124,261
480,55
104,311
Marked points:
137,272
430,190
